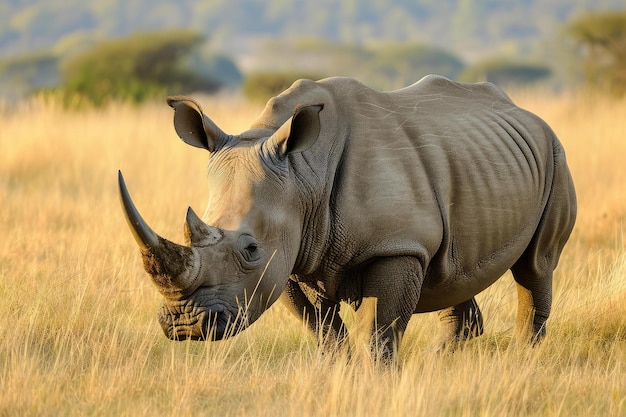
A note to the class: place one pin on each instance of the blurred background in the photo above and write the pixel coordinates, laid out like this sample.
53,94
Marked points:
95,51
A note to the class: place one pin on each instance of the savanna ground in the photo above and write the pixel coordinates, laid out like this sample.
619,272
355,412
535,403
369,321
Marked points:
78,325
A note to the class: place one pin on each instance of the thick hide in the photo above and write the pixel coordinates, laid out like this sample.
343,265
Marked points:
419,198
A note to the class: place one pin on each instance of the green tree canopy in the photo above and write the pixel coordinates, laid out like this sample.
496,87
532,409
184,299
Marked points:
136,68
600,41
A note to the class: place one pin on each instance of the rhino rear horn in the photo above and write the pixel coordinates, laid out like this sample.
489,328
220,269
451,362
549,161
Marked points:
198,233
193,126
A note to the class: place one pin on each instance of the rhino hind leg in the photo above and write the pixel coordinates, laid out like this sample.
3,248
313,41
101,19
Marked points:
459,323
533,271
534,300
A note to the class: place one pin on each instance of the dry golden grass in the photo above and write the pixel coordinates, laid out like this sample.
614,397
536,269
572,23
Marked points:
78,328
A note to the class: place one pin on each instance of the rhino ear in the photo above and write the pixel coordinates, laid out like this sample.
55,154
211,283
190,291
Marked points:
193,126
298,133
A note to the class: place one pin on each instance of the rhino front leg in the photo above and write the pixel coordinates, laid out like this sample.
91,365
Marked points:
395,283
460,323
321,315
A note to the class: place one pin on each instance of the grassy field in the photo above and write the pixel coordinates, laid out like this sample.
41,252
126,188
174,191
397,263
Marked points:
78,329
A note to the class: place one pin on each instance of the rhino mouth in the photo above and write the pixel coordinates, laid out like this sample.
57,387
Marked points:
185,319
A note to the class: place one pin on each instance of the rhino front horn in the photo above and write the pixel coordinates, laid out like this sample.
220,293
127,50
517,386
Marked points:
142,233
173,267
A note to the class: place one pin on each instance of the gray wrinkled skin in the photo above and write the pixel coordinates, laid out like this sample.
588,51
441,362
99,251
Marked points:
420,198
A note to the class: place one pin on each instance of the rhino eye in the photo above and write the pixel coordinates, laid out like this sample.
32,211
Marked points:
249,249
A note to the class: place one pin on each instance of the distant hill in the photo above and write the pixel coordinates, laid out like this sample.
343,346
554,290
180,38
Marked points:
468,28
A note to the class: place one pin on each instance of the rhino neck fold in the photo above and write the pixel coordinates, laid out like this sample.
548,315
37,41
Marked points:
313,171
315,177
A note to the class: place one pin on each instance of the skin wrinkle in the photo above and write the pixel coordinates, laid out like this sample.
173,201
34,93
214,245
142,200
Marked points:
487,164
518,133
482,127
228,197
314,201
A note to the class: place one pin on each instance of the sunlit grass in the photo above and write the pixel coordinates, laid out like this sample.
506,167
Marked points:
79,334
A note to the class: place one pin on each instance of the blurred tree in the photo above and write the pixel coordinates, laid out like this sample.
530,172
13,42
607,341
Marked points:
467,19
469,28
261,86
600,40
220,68
503,71
75,42
136,68
382,65
403,64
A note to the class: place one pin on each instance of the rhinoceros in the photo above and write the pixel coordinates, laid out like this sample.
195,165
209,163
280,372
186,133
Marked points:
418,198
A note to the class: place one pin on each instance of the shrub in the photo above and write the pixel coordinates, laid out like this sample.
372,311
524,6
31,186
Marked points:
135,68
220,67
262,86
505,72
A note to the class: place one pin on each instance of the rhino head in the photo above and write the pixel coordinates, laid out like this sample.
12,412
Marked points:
236,262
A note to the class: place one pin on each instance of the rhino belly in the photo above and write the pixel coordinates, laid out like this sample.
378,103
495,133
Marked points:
466,267
456,289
